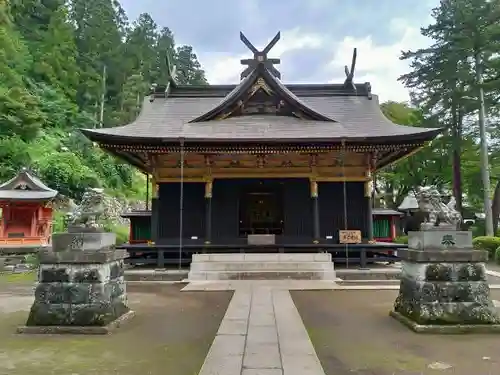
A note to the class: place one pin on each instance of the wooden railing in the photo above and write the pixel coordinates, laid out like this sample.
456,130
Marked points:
24,241
162,256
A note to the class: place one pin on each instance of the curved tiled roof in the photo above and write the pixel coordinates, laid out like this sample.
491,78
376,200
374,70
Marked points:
335,112
35,189
356,117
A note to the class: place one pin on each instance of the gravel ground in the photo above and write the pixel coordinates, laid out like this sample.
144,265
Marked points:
170,334
353,334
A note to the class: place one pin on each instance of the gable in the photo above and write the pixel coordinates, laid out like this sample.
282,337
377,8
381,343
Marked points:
22,186
262,100
261,93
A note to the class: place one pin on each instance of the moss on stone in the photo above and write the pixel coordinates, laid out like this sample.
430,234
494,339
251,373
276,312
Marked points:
446,313
97,314
439,272
471,272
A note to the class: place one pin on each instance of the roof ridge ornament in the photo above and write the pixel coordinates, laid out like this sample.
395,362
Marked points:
368,88
349,73
172,70
260,57
26,170
154,89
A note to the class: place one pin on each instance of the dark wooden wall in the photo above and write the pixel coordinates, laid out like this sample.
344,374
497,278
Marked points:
225,209
169,211
296,203
331,208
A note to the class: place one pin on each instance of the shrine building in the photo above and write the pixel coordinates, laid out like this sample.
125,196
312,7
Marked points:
25,211
293,161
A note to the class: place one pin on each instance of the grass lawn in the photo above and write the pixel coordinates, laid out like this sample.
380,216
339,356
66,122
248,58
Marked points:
353,334
170,334
21,277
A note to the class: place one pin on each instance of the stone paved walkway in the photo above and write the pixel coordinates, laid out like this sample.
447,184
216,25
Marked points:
262,334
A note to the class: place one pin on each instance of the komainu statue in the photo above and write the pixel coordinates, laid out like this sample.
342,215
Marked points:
437,213
88,212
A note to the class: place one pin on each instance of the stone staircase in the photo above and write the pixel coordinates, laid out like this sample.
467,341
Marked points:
313,266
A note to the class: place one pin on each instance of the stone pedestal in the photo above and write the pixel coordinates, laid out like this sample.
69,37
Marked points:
443,287
81,286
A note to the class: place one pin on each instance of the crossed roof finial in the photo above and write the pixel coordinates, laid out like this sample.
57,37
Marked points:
349,73
260,57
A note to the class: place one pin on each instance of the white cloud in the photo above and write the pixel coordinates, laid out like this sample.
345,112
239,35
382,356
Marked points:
225,68
379,63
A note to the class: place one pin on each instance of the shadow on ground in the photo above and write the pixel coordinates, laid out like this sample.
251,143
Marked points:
171,334
353,334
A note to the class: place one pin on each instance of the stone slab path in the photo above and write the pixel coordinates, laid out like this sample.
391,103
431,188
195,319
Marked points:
262,334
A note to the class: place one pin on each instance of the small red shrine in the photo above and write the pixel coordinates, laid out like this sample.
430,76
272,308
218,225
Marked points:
25,211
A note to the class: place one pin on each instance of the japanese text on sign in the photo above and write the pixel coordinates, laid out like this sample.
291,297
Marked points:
350,236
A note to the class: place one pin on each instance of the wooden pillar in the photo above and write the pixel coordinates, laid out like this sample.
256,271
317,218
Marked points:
315,210
3,213
154,210
131,231
393,227
50,223
34,221
369,208
208,212
6,215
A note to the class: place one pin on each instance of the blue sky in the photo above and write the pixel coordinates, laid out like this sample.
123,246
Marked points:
317,36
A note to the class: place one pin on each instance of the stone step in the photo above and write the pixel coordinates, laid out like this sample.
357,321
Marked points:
263,257
275,266
155,275
261,266
262,275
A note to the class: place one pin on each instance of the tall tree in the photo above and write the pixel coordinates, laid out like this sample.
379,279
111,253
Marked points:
132,96
20,114
442,79
427,167
141,46
52,82
164,47
99,37
189,69
50,38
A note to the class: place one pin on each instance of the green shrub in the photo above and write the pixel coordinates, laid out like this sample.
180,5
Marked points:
478,228
32,260
122,233
59,222
401,239
490,244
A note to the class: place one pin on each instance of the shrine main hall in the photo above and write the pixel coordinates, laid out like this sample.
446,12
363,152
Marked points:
292,161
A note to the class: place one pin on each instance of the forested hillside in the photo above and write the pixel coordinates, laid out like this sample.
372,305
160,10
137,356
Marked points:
75,64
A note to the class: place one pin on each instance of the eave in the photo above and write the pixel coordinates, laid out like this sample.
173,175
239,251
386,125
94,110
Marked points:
133,214
26,200
387,153
150,143
137,159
